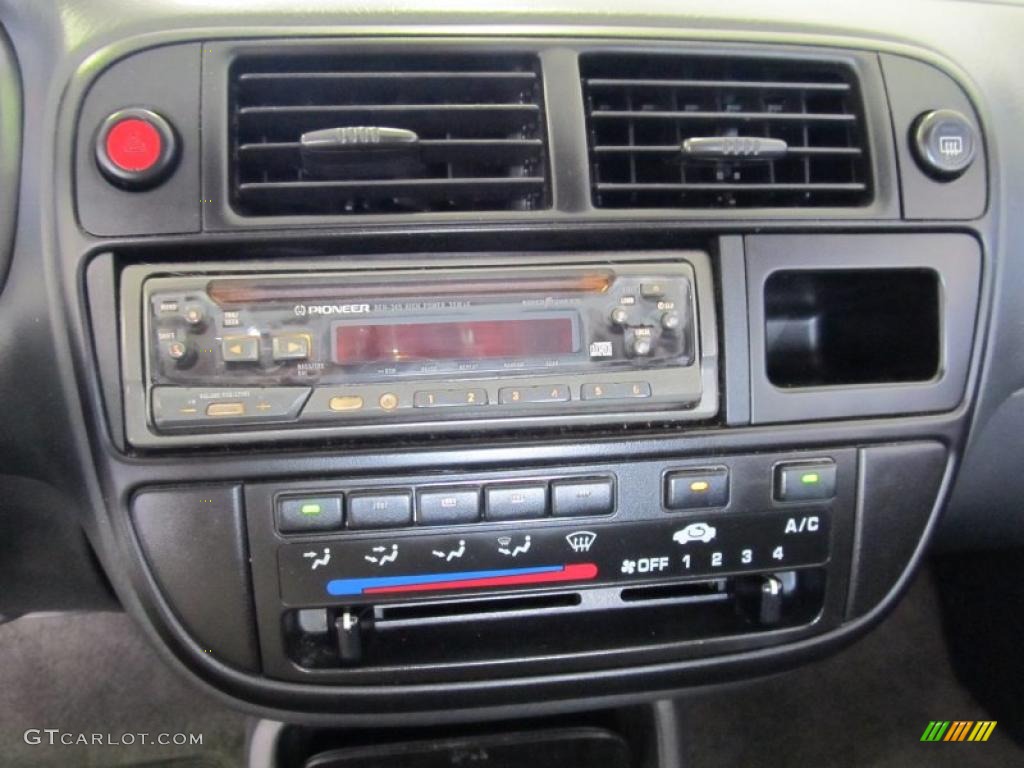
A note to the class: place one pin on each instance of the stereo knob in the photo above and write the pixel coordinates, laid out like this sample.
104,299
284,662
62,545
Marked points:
194,315
619,316
180,352
641,346
671,321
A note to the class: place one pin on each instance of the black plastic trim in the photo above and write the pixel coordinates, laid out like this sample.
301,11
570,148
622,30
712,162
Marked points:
10,150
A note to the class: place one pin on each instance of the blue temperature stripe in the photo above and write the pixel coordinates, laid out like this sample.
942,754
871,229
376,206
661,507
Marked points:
339,587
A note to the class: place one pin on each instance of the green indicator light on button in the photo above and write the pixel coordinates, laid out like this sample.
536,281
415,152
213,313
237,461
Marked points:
310,509
810,478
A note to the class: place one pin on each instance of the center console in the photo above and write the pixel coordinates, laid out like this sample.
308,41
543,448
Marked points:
522,375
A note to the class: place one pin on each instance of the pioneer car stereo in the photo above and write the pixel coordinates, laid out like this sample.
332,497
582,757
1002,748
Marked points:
385,347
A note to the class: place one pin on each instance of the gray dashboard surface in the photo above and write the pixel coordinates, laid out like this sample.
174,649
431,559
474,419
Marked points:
43,429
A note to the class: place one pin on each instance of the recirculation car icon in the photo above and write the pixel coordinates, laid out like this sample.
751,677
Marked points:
694,532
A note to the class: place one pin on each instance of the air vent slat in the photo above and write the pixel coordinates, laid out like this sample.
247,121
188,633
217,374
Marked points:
724,116
767,85
479,138
674,149
389,108
726,187
409,75
399,185
710,131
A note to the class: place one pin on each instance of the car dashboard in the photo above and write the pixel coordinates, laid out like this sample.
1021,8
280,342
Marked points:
394,365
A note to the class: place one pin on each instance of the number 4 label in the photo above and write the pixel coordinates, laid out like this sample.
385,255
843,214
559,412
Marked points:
777,554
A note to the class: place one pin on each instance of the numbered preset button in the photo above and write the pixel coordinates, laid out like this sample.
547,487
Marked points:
448,398
550,393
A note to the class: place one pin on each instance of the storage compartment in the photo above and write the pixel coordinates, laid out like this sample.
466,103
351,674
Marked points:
629,737
849,326
834,327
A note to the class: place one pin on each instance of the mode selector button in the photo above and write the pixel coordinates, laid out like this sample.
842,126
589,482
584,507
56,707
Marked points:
575,498
449,506
516,502
380,510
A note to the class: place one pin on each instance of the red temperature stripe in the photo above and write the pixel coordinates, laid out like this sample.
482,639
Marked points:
575,572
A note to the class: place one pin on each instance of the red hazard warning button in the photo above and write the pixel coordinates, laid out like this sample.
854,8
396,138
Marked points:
134,145
136,148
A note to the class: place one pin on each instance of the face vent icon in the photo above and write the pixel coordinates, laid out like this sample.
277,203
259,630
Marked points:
581,541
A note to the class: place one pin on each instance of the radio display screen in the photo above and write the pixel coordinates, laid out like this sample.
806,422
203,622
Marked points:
453,340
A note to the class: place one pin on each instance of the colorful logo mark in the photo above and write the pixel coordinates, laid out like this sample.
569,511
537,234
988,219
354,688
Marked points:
958,730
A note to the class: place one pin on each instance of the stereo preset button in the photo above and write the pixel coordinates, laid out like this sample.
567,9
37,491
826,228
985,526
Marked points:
697,488
221,410
379,510
314,513
240,349
652,290
574,498
388,401
616,391
345,403
449,506
516,502
291,346
448,398
552,393
805,481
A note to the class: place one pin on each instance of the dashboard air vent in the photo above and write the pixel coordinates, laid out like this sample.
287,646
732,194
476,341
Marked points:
670,131
375,134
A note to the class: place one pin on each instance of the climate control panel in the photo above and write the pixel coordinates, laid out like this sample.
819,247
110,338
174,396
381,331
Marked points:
359,571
